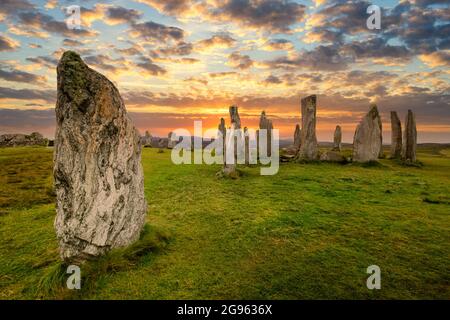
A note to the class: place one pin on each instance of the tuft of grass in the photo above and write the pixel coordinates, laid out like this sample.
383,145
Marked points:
53,282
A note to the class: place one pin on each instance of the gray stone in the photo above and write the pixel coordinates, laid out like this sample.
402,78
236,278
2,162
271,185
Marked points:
229,169
297,137
146,140
410,138
99,181
396,136
266,124
367,141
332,156
172,140
337,139
222,131
308,148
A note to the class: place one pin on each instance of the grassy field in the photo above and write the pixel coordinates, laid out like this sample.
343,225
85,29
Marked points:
308,232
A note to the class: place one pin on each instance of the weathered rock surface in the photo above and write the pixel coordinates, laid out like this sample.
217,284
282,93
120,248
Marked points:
229,168
410,138
297,137
172,141
308,148
146,140
367,141
222,131
396,136
98,175
337,140
266,124
18,139
332,156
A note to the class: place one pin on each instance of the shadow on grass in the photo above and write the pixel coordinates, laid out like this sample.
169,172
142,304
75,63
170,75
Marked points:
53,283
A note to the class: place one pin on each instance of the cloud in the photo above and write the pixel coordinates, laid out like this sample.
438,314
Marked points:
21,76
149,67
118,15
238,61
437,59
278,44
272,16
155,32
8,44
44,61
216,41
28,94
37,22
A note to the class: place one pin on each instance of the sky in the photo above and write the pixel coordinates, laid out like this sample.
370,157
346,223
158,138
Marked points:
176,61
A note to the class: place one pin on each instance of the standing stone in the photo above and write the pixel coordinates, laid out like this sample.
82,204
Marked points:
308,148
229,169
297,137
396,136
337,140
410,138
18,139
222,131
99,182
247,145
367,141
266,124
171,140
146,140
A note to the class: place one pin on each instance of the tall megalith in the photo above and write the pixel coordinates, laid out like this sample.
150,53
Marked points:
410,138
367,141
99,182
308,146
396,136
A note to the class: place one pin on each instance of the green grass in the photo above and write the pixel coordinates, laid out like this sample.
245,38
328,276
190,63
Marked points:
308,232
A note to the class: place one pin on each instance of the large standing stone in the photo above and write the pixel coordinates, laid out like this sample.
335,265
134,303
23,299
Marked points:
247,145
367,141
410,138
337,139
146,140
297,137
222,132
396,136
229,168
308,148
172,140
266,124
98,175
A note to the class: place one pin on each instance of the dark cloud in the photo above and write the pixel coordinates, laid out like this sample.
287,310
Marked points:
28,94
12,7
40,21
239,61
320,58
152,31
118,14
72,43
180,49
269,15
21,76
272,80
150,67
47,61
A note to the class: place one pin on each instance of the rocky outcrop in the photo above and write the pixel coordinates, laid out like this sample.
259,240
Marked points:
410,138
297,137
146,140
337,139
396,136
367,141
308,148
98,175
18,139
